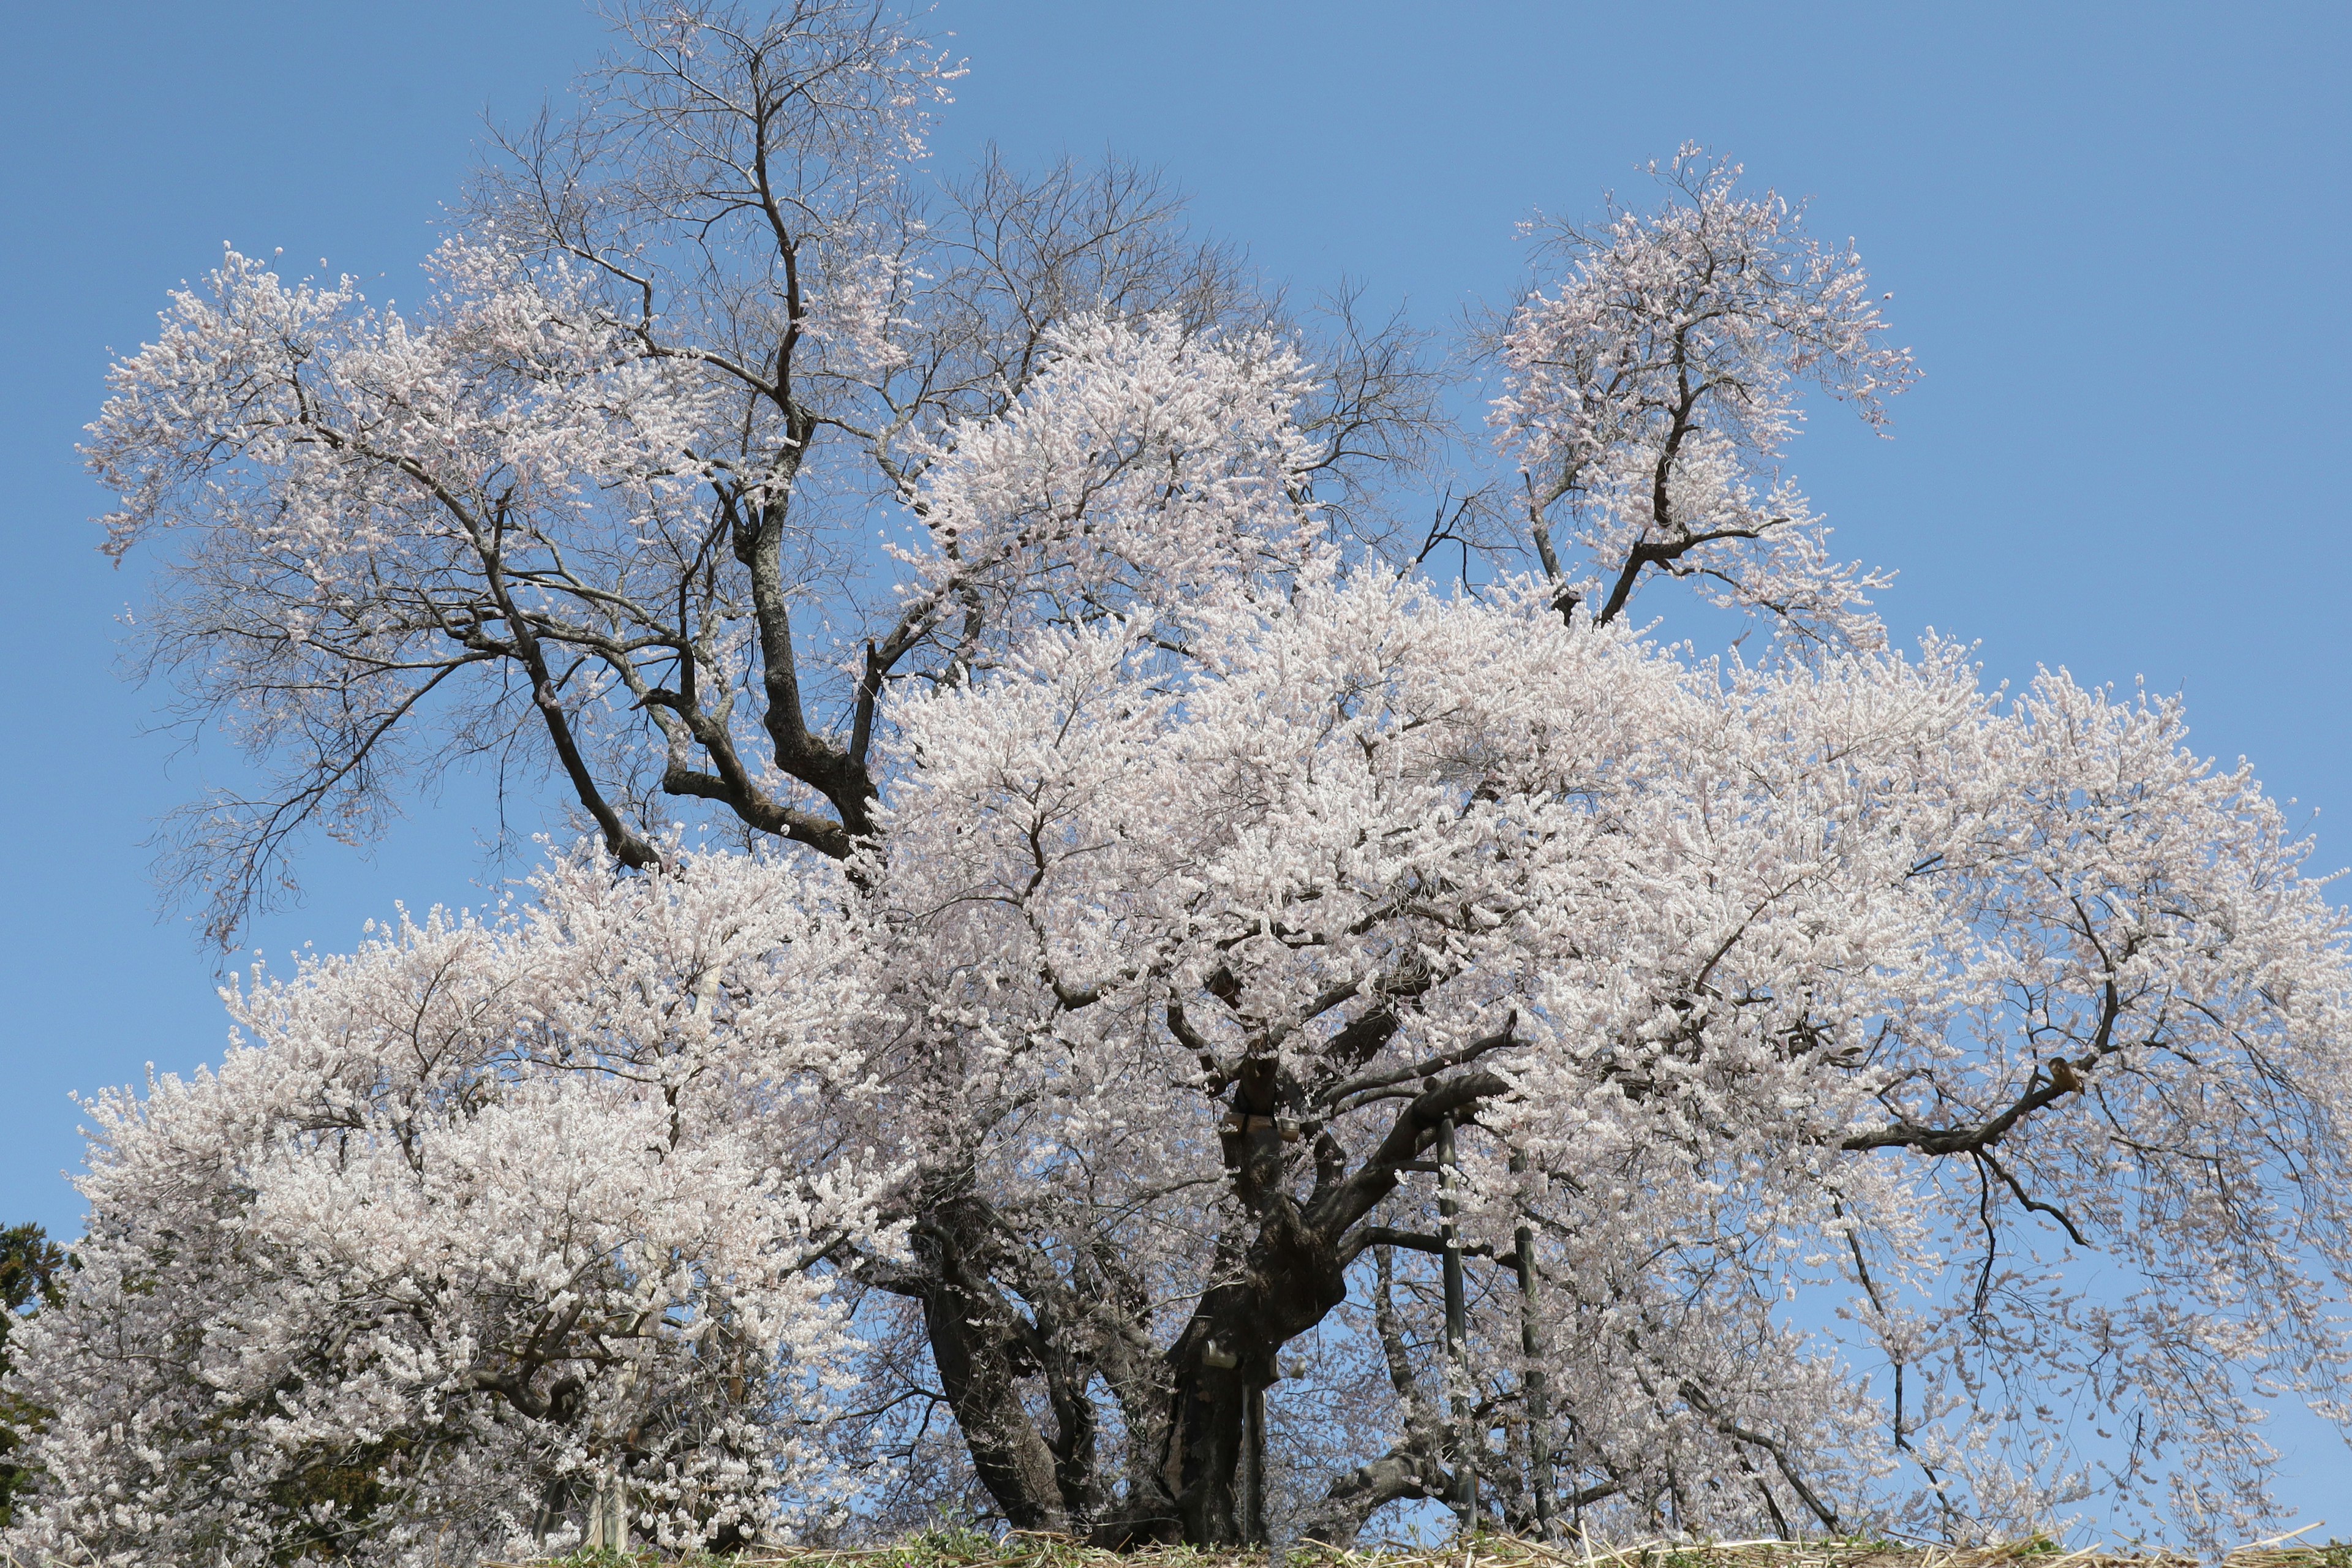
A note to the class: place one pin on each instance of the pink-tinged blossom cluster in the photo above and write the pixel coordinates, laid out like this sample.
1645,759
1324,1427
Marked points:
466,1224
509,403
1142,466
1650,391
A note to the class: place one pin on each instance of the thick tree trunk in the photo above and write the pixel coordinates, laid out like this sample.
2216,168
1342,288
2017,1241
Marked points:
1290,1274
1281,1270
977,1349
1290,1277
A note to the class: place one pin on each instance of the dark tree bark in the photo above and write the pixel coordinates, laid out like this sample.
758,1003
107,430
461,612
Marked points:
981,1353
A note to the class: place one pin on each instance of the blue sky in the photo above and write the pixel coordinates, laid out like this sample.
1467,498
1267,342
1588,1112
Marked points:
2117,238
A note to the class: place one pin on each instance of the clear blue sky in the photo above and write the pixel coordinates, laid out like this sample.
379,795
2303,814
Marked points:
2117,238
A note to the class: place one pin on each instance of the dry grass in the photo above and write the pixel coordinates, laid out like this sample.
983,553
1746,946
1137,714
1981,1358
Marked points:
958,1548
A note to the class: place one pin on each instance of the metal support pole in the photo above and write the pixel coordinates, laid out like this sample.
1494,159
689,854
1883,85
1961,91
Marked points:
1253,1526
1538,1396
1457,1333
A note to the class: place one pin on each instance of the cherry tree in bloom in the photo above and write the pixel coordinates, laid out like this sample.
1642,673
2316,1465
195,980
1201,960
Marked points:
466,1224
1207,1032
1842,977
